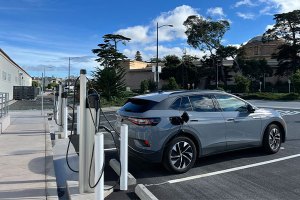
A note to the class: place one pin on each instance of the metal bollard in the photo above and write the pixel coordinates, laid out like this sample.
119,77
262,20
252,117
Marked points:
99,159
124,157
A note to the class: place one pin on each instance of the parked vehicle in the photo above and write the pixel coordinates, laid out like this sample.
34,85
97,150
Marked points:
177,127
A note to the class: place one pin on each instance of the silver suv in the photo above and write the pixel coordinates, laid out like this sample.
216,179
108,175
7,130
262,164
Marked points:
177,127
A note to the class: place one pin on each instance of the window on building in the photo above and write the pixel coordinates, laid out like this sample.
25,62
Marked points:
256,50
9,77
4,76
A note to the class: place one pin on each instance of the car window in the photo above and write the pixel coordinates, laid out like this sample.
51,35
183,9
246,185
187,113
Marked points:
202,103
185,104
229,103
138,105
176,104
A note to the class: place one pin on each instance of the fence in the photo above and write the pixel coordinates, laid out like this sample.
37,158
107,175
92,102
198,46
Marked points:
3,104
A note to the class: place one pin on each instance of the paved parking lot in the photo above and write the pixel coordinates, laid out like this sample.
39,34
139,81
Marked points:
245,174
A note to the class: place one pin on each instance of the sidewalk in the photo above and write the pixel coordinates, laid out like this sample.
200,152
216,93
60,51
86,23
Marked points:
26,165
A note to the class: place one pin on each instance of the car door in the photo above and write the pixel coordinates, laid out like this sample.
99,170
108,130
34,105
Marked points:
207,121
243,127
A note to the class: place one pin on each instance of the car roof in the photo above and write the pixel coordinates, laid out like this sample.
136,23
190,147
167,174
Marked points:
162,95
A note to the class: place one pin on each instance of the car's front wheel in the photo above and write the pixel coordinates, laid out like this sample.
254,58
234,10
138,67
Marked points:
272,139
180,155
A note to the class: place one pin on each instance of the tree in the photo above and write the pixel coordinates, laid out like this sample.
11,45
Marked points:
182,69
242,83
286,28
296,80
144,86
204,34
255,69
35,84
138,56
172,85
110,80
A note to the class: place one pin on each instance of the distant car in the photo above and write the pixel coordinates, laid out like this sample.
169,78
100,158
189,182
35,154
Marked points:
177,127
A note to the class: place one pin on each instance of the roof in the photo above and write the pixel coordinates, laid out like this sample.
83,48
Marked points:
256,39
13,62
160,96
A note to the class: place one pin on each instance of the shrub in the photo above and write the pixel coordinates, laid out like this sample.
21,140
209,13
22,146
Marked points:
242,83
296,80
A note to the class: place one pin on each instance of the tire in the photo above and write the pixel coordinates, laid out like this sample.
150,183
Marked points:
272,139
180,155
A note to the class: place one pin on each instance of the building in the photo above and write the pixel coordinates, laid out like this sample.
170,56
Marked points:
136,72
11,74
256,49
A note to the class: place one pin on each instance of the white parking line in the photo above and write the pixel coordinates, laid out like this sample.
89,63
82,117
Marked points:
230,170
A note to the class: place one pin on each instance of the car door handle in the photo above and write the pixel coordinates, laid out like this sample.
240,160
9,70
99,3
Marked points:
230,119
194,120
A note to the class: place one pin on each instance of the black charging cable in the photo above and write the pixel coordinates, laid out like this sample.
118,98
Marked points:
72,128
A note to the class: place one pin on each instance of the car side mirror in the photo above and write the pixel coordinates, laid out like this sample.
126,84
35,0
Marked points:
250,108
185,117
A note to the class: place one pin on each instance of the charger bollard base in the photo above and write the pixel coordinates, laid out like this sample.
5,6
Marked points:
74,194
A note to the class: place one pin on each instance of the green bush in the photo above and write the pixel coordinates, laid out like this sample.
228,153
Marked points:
296,81
144,86
242,83
172,85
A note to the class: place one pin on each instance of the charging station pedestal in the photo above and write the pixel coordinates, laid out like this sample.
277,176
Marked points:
59,105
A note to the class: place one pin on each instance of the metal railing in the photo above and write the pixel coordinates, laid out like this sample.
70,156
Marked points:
3,104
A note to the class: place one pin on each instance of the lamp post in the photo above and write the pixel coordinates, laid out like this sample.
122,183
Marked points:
156,69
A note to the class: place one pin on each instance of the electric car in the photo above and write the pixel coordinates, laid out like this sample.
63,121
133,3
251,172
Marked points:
174,128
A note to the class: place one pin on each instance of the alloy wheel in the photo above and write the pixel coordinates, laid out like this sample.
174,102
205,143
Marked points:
274,139
181,155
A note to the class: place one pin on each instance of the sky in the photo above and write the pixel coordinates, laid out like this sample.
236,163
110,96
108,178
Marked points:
43,34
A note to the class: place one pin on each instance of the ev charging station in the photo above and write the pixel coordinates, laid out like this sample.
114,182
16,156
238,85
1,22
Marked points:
91,171
88,136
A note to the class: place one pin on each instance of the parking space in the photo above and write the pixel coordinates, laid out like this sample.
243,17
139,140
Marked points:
244,174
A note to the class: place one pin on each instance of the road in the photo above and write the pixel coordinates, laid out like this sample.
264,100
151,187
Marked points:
245,174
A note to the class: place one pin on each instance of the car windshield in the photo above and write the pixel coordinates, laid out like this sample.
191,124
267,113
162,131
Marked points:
138,105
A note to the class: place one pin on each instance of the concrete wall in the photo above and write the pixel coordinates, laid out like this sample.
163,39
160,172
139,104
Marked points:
11,75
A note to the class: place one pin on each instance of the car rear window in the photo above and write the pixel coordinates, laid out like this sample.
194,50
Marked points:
138,105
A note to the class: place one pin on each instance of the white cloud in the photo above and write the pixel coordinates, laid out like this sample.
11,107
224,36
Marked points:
136,33
54,61
175,17
270,26
244,3
146,34
217,11
279,6
246,15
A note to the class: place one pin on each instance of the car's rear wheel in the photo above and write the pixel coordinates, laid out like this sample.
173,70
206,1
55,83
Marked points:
272,139
180,155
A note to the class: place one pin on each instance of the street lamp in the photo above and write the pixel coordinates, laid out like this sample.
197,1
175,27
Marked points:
156,69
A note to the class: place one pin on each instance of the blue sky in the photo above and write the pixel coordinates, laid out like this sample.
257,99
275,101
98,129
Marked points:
40,34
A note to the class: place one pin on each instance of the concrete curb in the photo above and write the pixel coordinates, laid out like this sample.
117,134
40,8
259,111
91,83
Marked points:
116,167
51,190
143,193
73,192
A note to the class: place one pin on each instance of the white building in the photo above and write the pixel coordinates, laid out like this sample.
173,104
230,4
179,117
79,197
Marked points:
11,74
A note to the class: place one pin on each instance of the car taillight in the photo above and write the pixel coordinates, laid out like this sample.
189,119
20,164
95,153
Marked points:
144,121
